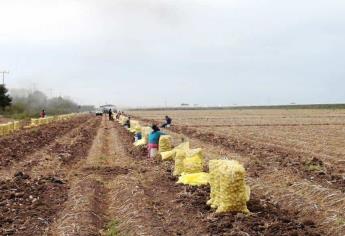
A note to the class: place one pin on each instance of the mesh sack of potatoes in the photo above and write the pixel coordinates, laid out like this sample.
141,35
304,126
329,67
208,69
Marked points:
134,123
194,162
2,129
122,119
9,128
213,166
234,194
140,142
145,132
170,155
34,122
179,157
195,179
165,143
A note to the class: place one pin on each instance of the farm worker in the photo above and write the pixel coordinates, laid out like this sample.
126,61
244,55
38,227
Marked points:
110,114
43,114
154,136
128,123
138,135
167,123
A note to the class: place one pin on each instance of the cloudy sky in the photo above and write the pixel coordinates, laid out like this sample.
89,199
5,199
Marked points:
153,52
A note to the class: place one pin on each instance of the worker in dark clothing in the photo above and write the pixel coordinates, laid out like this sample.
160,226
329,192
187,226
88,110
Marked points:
167,123
128,123
110,114
43,114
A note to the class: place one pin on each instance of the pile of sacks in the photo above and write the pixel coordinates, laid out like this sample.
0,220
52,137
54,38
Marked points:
7,128
145,131
229,192
49,119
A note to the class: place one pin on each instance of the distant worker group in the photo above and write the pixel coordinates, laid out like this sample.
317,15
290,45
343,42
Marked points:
154,136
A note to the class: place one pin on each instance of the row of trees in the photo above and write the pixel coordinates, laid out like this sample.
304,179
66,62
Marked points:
21,104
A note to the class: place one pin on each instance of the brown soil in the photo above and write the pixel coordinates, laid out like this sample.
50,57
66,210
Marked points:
17,146
70,153
106,171
49,189
29,205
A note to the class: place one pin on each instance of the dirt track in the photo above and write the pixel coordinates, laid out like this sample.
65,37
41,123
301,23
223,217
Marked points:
90,175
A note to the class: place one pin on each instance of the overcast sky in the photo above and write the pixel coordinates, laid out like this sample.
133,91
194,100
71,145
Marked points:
152,52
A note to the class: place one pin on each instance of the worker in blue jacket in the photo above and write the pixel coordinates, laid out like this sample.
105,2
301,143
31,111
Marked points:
154,137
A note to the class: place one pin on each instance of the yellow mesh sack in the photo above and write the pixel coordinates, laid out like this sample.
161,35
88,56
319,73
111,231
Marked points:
10,128
140,142
2,129
194,162
145,131
233,193
213,166
196,179
132,130
16,125
138,129
123,119
180,156
34,122
165,143
168,155
134,123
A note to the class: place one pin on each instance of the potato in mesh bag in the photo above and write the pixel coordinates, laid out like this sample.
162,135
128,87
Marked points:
233,190
214,183
165,143
140,142
180,156
168,155
145,132
194,162
195,179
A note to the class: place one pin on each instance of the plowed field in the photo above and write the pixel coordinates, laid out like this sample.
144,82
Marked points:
84,177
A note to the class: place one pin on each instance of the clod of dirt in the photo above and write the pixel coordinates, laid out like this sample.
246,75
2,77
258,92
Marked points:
106,170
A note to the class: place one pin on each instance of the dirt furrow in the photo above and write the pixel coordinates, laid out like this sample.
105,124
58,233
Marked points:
49,159
85,211
17,146
38,197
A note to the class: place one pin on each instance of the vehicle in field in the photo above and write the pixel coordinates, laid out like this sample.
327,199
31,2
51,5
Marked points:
99,113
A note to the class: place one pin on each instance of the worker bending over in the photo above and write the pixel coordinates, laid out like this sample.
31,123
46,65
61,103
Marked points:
128,123
167,123
154,137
